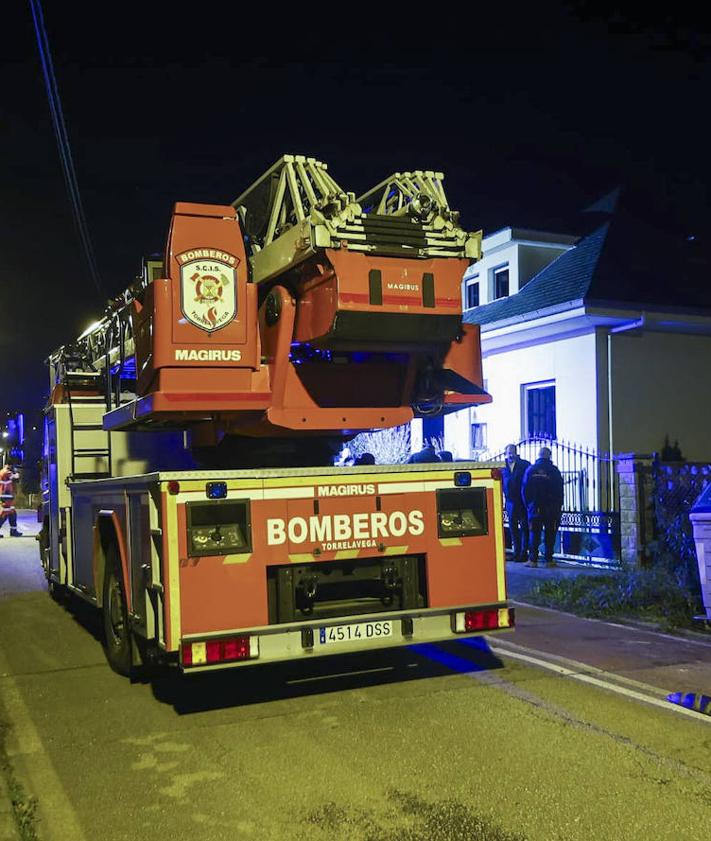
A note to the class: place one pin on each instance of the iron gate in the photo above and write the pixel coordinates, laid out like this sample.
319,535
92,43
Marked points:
590,520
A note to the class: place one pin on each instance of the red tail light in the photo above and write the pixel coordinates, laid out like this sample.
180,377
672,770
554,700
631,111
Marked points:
481,620
212,652
486,619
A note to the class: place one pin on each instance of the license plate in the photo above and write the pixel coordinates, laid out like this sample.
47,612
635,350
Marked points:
355,632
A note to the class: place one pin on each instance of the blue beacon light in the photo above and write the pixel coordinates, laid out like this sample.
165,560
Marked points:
216,490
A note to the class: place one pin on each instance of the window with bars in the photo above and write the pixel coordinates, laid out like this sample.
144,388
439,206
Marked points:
539,410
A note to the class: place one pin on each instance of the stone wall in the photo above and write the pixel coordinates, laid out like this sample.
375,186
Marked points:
635,476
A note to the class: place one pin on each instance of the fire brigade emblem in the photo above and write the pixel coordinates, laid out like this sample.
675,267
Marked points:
207,287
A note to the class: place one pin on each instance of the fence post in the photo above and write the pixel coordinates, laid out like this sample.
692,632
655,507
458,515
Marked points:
634,473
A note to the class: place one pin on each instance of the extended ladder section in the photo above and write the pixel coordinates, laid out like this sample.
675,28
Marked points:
296,208
297,311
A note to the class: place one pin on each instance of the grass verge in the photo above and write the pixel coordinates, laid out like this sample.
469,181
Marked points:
24,807
649,595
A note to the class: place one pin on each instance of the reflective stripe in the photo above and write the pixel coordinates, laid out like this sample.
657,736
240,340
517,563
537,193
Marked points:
500,544
290,493
237,559
173,571
303,558
347,554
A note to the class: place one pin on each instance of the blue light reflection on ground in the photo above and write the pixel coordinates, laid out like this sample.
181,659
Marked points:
452,661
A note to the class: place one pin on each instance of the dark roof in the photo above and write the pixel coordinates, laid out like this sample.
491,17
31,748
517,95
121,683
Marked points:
567,278
630,255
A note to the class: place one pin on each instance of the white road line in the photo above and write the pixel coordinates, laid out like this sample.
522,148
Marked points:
575,665
25,744
582,673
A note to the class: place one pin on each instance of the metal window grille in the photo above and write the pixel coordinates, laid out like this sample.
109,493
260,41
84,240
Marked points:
540,411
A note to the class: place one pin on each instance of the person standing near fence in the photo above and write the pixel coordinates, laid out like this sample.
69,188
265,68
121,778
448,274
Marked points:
543,493
512,476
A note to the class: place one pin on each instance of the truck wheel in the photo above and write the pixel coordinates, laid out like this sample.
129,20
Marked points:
117,633
57,592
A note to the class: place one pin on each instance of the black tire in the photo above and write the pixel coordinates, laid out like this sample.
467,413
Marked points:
117,632
57,591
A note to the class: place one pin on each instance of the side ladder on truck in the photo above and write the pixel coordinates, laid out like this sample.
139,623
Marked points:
82,388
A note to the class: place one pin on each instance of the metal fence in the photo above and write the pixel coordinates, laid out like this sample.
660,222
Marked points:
675,488
590,520
590,481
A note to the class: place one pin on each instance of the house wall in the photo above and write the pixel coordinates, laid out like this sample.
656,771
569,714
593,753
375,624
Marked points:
569,362
484,269
457,434
533,259
524,259
661,385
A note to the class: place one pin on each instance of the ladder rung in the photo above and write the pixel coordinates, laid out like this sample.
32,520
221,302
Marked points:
85,453
88,426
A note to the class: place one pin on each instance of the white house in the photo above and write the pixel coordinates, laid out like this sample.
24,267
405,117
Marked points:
568,352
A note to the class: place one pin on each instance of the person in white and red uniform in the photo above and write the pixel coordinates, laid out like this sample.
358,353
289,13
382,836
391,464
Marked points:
8,477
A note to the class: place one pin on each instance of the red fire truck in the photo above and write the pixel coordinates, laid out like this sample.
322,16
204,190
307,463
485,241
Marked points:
187,433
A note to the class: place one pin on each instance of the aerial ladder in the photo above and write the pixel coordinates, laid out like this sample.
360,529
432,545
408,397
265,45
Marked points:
302,283
271,331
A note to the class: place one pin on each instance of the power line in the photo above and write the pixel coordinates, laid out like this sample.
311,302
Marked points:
65,153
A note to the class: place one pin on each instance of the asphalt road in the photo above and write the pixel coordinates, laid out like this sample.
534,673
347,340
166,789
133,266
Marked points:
433,743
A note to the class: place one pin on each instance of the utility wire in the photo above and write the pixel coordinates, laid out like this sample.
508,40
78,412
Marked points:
65,152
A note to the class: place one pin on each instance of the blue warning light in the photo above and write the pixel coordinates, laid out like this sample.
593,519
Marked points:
216,490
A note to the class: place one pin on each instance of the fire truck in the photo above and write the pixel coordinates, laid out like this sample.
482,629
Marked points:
190,434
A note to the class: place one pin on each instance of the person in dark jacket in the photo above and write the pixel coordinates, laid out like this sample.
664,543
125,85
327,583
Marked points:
512,476
364,459
543,493
427,455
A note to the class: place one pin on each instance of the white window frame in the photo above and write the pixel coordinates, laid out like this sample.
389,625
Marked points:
503,267
470,281
484,436
537,386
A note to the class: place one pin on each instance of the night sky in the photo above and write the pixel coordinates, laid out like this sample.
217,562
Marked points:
532,113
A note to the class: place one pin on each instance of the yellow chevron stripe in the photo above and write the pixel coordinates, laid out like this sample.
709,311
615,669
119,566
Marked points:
450,541
304,558
238,559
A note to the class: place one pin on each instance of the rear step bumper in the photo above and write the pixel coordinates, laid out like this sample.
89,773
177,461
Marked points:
304,641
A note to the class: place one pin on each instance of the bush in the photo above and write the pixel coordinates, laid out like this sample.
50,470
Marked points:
389,446
655,594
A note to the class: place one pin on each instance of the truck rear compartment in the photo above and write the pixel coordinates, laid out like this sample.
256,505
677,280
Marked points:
326,589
